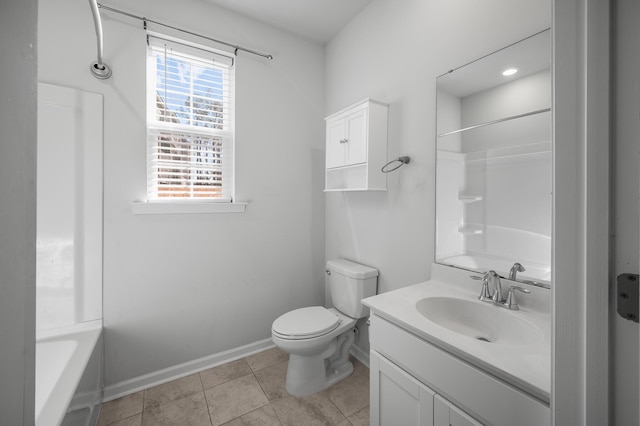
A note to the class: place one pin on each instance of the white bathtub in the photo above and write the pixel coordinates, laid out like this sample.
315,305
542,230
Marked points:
61,361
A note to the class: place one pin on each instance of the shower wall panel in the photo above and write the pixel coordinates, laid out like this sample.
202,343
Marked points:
69,207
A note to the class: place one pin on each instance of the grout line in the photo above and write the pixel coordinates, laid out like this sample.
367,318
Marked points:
206,401
276,413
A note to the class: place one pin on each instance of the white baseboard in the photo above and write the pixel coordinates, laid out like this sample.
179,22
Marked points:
159,377
362,356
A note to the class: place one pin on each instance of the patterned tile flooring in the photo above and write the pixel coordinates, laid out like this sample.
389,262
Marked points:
249,391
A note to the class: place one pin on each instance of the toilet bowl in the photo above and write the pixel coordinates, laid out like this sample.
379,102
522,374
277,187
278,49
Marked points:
307,372
318,338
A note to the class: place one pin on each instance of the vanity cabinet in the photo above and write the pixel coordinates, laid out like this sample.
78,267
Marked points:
396,397
447,414
414,382
356,147
399,399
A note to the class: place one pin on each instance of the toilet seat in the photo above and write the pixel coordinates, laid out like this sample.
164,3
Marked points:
305,323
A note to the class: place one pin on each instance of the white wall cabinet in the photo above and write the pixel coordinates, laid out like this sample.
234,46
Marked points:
347,139
357,147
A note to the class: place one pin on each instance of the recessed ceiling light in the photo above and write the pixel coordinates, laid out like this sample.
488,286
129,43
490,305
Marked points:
509,71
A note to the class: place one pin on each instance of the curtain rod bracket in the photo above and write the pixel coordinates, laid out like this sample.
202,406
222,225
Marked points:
99,69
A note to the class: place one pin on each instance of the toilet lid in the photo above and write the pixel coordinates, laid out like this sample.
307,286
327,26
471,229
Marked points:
305,323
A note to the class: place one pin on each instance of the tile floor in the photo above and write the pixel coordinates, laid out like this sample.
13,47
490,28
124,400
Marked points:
249,391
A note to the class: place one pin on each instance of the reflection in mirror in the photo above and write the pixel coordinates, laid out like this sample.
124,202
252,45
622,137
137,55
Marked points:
493,182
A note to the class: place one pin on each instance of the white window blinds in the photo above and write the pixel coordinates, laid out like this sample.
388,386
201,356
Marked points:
190,94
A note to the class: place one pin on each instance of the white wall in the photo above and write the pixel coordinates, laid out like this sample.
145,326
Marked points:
17,211
181,287
394,50
625,203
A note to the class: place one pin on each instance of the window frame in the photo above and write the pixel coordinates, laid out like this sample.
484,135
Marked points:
221,61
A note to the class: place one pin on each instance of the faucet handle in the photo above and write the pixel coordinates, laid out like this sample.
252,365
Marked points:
510,303
491,274
485,293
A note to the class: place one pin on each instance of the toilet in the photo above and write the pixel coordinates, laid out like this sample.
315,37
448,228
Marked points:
318,338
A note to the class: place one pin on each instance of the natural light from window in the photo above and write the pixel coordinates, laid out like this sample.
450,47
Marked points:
189,123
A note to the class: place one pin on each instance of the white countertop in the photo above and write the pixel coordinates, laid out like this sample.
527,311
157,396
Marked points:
527,367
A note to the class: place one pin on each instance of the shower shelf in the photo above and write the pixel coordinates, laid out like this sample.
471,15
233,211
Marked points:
470,229
466,199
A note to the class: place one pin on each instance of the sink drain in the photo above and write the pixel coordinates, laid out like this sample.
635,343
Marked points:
483,339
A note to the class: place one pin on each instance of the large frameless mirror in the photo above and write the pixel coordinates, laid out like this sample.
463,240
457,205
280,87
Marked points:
493,179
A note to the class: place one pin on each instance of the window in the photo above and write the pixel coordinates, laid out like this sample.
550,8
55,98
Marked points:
190,123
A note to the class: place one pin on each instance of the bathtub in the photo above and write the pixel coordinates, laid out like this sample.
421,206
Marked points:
68,374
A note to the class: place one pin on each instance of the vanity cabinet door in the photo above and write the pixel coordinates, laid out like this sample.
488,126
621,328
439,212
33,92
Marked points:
397,399
447,414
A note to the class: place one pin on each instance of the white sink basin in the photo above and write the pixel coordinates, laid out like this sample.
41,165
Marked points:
480,320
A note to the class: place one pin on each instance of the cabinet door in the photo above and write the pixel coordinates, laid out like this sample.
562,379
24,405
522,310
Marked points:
336,137
398,399
356,136
447,414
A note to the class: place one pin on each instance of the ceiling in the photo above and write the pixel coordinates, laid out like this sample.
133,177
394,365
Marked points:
317,20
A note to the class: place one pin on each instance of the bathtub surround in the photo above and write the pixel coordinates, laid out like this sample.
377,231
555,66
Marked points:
69,216
181,287
68,256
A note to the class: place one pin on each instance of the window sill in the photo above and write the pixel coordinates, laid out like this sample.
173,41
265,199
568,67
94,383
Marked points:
142,207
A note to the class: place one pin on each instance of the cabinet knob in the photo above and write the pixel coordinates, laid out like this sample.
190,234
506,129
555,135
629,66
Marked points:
344,140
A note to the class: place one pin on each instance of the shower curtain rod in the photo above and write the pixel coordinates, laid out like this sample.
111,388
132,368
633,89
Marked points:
99,69
145,20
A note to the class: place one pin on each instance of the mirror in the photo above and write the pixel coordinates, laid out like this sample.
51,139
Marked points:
493,170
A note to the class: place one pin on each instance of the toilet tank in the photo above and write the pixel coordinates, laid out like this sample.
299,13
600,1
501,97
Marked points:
349,283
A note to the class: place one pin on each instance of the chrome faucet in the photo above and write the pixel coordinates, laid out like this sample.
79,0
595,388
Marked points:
514,270
496,297
493,277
